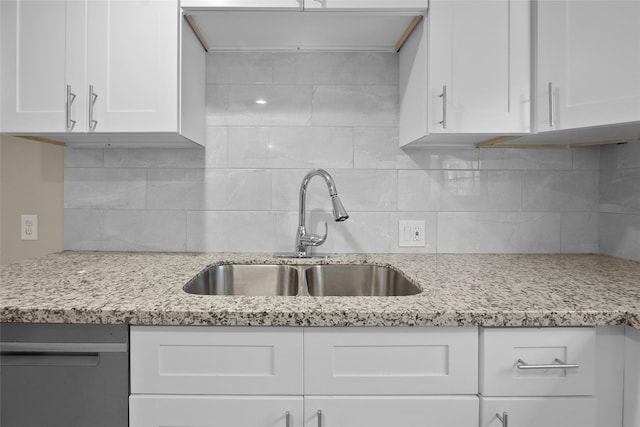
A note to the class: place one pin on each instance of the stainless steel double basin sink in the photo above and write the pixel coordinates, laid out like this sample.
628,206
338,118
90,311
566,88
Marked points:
301,280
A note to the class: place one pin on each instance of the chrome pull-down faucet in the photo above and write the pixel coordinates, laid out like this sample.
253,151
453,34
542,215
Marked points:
304,239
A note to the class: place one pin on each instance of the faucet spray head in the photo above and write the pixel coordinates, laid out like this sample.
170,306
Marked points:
339,212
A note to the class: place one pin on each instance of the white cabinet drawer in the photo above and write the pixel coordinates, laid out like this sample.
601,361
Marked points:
539,411
501,373
216,360
383,361
189,411
391,411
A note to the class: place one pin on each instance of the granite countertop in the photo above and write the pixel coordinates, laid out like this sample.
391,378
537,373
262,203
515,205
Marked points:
145,288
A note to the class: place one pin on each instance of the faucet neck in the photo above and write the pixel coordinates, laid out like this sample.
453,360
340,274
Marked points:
303,191
304,239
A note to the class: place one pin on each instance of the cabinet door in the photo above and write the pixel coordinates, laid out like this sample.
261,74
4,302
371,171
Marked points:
632,378
479,65
386,411
588,63
34,46
506,352
243,4
216,360
397,5
383,361
214,411
539,411
132,65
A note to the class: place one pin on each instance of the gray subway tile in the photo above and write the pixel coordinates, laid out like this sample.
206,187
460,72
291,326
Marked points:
145,230
353,105
154,157
105,188
525,159
495,232
560,191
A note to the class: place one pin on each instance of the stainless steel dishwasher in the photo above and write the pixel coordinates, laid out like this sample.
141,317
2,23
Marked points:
63,375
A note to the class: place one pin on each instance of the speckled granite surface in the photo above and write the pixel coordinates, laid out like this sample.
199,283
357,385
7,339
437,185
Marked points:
490,290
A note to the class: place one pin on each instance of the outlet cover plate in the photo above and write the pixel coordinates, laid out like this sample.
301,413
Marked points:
411,233
29,227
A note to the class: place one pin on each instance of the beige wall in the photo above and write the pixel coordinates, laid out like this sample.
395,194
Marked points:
31,182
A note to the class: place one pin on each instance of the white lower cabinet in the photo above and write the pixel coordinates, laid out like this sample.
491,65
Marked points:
537,361
216,360
551,377
214,411
388,411
391,361
538,412
632,378
184,376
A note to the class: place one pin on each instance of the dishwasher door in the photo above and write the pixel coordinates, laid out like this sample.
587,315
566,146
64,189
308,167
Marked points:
54,375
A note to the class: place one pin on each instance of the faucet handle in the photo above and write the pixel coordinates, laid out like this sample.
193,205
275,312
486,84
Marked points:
314,239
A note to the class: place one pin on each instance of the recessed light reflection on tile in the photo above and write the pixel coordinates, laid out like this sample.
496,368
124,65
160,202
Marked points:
261,101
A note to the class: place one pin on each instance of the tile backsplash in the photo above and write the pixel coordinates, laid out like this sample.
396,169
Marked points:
338,111
619,218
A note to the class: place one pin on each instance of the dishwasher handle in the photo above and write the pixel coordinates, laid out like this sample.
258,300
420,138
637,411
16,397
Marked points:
56,354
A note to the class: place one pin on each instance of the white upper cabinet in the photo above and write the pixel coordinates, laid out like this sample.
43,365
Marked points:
132,65
34,46
75,68
274,5
304,25
588,63
417,5
465,73
243,4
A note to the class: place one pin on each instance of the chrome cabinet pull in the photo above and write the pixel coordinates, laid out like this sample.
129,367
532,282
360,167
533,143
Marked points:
504,419
70,98
552,107
558,364
443,95
92,100
319,418
287,419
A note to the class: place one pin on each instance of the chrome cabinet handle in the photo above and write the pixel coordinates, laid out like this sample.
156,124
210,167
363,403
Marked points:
92,100
552,107
443,95
504,419
558,364
70,98
319,418
287,419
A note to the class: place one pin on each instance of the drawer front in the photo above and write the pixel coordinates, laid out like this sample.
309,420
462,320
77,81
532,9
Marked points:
189,411
501,373
391,411
416,360
539,411
216,360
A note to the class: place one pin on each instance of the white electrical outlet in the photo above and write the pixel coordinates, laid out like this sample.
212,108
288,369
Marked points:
29,227
411,233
